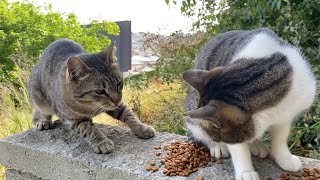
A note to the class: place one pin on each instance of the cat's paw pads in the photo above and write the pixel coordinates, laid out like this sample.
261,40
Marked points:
257,148
289,163
219,150
44,125
145,132
104,147
248,175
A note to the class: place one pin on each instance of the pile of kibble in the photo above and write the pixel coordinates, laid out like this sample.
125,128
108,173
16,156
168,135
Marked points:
306,174
182,159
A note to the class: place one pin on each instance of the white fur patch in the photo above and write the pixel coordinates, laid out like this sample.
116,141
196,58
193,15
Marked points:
241,159
217,150
260,46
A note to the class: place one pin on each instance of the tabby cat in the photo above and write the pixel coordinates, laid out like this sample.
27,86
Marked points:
245,83
77,86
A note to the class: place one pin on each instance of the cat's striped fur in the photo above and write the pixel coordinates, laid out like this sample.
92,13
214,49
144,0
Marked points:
245,83
77,86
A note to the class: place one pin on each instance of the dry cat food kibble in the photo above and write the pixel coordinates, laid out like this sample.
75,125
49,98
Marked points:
148,168
184,158
152,166
306,174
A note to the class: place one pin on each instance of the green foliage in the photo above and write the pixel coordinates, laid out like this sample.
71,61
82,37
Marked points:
296,21
30,29
177,53
305,136
171,118
15,107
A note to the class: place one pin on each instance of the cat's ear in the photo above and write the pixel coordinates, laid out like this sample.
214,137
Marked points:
108,53
77,69
198,78
205,113
195,78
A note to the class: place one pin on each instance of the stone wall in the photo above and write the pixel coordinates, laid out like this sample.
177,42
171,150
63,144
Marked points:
60,154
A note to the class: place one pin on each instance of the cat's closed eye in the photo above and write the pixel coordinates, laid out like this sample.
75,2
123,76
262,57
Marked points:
101,92
120,85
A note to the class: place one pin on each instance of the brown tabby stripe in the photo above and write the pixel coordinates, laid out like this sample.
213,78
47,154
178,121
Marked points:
251,83
221,49
88,131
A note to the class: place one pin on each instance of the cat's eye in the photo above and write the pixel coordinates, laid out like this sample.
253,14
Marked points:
101,92
120,85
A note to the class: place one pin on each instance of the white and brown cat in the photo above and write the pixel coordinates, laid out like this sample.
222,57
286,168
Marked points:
245,83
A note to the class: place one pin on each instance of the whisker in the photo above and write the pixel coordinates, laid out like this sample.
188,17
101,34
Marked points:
97,110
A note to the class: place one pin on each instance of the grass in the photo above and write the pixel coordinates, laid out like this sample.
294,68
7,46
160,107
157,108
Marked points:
160,105
15,110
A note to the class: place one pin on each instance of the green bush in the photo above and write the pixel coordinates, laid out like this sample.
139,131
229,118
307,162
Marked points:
27,28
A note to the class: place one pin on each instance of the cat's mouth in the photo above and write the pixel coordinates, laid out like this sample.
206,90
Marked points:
110,107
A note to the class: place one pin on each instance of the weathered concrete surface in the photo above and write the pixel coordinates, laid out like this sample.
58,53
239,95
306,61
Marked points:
60,154
17,175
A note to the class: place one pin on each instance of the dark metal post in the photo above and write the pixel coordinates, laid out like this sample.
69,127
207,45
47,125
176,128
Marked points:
123,44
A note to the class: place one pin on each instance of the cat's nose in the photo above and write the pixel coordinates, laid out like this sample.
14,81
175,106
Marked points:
116,100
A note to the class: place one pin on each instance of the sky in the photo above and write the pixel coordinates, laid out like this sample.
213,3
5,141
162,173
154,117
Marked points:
145,15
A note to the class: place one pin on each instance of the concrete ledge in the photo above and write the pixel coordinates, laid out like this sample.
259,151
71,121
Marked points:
17,175
60,154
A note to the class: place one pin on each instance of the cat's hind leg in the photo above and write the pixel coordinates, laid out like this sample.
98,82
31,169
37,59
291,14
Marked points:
280,150
42,121
126,115
43,112
257,148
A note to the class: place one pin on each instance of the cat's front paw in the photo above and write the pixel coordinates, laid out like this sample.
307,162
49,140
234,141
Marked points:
289,162
257,148
44,125
218,150
248,175
104,147
145,132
